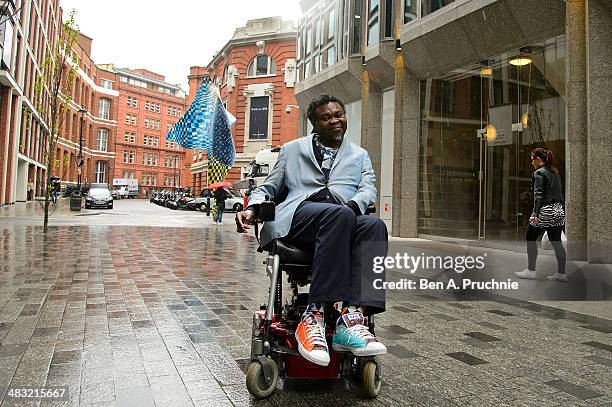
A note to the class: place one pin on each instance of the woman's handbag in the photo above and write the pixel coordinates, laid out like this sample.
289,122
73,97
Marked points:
546,245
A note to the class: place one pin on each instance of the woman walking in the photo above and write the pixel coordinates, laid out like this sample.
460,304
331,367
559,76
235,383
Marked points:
548,214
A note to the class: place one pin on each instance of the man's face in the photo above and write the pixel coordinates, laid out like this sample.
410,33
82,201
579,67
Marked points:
330,123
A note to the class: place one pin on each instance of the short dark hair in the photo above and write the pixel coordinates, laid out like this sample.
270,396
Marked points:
321,100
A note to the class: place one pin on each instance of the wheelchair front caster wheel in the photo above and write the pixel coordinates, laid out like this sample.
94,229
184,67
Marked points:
370,379
256,382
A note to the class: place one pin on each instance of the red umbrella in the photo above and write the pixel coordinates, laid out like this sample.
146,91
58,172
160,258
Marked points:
220,185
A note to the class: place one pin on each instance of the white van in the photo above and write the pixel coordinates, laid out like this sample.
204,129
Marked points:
263,163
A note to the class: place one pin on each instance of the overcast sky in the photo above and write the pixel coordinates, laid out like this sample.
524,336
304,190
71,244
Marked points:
167,37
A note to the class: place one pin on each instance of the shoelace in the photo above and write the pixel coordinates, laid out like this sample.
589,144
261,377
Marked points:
315,332
361,331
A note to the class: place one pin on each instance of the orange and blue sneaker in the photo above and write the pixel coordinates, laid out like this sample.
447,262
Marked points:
353,336
310,335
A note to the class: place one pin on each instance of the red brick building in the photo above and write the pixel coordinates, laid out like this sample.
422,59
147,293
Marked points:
147,109
255,72
89,124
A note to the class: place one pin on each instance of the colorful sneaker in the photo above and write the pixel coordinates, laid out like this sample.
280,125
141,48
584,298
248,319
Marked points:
310,335
351,335
530,274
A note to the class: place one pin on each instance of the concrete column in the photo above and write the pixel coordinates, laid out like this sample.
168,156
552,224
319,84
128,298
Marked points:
5,118
371,131
406,155
576,125
599,91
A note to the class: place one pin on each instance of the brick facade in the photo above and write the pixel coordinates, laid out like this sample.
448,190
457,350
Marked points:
270,37
145,116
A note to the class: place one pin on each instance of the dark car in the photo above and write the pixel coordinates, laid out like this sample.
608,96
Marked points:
99,197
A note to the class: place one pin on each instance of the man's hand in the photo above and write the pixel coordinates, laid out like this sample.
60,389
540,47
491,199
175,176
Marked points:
243,220
534,219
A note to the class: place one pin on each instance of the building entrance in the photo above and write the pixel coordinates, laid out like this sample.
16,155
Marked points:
479,125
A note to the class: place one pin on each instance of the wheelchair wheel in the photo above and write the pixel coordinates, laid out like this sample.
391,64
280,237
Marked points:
370,379
256,382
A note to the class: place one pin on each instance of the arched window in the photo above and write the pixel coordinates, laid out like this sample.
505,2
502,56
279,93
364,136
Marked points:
261,65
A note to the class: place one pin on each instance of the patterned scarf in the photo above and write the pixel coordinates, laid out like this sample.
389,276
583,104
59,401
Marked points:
329,154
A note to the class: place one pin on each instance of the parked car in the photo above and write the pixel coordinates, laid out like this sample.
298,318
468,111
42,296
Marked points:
99,196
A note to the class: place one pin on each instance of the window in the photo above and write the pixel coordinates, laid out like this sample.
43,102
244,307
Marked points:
331,25
145,139
410,10
331,56
389,20
102,144
152,106
169,127
357,28
373,26
100,171
258,118
132,101
168,91
261,65
429,6
128,157
104,111
132,81
130,119
106,84
128,174
149,179
129,137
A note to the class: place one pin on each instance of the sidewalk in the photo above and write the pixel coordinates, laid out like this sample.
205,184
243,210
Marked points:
589,290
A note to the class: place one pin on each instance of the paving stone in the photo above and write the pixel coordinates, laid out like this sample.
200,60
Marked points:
125,320
577,391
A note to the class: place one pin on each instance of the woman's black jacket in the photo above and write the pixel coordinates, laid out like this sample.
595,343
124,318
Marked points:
547,188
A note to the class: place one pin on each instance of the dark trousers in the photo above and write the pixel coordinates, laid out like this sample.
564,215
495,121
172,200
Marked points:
344,246
554,235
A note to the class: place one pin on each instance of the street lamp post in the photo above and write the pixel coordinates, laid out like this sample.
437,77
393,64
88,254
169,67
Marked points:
76,198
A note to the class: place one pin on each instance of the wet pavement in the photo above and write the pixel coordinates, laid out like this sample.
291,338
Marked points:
144,306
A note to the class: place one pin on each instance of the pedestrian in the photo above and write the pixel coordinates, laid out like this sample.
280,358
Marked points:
55,189
548,214
325,183
220,196
30,190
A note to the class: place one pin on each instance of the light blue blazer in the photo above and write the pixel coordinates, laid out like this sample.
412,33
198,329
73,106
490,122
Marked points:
297,169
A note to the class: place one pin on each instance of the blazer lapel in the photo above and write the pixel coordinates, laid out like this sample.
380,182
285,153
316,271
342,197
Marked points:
307,145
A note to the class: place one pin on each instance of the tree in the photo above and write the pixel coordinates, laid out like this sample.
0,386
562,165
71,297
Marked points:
53,96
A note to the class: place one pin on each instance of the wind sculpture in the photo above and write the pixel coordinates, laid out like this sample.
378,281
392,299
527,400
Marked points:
206,126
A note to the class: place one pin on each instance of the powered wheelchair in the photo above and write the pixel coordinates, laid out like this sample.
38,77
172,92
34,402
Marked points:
274,349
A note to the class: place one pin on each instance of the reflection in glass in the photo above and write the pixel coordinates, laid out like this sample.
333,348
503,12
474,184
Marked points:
429,6
410,10
475,188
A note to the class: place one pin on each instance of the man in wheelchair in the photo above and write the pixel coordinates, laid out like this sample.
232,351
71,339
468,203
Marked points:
325,184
